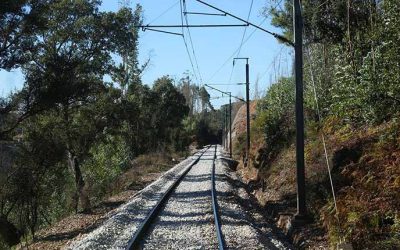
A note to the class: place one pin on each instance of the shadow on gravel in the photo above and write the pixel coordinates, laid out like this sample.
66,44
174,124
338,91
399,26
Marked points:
206,159
251,206
232,164
196,195
197,178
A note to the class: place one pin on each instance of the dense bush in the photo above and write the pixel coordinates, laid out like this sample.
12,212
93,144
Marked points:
275,116
352,63
76,131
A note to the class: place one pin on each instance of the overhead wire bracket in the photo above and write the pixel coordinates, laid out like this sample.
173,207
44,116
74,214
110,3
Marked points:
162,31
227,84
203,13
192,26
277,36
226,93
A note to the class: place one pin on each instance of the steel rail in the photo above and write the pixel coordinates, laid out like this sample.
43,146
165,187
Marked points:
134,242
221,240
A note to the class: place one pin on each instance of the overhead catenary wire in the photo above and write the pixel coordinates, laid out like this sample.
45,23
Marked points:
277,36
145,27
166,32
204,13
164,12
225,93
186,46
191,41
241,42
190,59
234,52
245,29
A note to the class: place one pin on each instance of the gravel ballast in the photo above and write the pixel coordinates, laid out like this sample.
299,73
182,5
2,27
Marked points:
117,231
186,220
241,229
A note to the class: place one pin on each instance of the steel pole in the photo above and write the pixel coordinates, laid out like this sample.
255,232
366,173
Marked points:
247,111
223,129
298,32
230,125
226,127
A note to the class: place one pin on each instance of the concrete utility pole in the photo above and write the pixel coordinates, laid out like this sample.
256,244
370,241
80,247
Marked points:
230,124
230,115
298,48
247,107
226,127
222,135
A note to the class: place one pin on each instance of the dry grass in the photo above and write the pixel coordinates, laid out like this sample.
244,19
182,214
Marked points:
145,169
365,166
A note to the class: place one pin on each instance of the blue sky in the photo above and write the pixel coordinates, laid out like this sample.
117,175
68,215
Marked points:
213,47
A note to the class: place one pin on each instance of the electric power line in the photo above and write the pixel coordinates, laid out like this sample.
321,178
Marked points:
324,142
190,59
272,63
164,12
186,46
191,42
241,42
234,52
245,29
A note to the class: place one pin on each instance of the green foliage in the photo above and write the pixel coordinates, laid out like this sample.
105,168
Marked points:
204,128
351,57
275,115
203,123
108,159
153,116
20,21
77,132
354,57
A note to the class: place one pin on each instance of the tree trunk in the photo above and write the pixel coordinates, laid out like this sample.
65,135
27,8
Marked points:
81,195
9,233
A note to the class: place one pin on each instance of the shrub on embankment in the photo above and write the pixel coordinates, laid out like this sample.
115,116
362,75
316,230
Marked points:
366,179
351,96
364,162
364,159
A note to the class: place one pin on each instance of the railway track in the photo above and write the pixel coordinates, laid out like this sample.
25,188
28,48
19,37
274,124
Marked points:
150,220
180,210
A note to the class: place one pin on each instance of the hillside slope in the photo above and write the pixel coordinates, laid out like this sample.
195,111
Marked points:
366,177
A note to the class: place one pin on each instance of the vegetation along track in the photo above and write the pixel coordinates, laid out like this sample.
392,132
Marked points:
180,211
136,241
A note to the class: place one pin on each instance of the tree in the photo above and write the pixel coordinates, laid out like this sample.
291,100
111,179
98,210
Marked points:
205,99
66,77
20,20
190,91
170,109
353,54
276,111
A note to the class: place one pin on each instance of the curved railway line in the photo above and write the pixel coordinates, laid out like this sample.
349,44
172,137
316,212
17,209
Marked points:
141,232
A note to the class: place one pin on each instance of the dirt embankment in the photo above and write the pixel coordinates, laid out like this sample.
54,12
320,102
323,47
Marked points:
145,169
365,166
239,126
